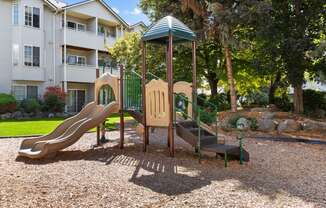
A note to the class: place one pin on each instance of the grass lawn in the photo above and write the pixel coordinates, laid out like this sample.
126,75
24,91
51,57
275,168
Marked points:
9,128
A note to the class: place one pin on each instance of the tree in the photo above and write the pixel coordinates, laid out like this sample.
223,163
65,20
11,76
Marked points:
297,24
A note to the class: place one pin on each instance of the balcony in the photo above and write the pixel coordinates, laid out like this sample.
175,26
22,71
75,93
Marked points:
81,73
28,74
84,39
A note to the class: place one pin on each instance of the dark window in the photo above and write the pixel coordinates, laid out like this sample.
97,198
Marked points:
32,92
36,17
36,56
71,25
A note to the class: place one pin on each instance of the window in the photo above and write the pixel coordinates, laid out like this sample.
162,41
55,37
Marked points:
28,55
15,13
22,92
32,16
71,59
111,32
76,60
28,16
71,25
81,27
32,56
19,92
81,60
76,26
101,30
32,92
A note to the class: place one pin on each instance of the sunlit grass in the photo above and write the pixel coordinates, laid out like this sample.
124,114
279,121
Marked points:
29,127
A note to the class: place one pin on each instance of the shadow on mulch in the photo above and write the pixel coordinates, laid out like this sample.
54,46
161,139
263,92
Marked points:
169,175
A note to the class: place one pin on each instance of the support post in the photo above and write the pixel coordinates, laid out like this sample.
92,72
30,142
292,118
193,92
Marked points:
144,72
194,80
170,95
122,122
98,129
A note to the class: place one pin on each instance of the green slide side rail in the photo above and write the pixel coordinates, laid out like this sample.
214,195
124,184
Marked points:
132,91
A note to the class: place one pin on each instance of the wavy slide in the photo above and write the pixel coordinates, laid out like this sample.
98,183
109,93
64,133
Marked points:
68,132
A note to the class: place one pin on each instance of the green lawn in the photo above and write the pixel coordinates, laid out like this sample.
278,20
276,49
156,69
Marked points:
43,126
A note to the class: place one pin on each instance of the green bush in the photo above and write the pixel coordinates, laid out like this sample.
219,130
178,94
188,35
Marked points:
52,103
221,101
313,100
7,103
283,103
255,99
30,106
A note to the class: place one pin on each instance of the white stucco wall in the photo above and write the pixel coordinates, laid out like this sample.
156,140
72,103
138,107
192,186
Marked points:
6,46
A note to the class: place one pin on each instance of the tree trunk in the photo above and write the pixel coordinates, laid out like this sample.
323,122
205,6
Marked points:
229,69
298,99
213,86
273,87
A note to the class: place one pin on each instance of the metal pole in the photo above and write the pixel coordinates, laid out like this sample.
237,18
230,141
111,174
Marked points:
122,122
170,95
194,79
144,72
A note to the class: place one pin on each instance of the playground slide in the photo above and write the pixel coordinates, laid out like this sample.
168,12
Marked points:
68,132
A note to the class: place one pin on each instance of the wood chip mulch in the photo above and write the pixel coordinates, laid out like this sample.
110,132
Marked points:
279,174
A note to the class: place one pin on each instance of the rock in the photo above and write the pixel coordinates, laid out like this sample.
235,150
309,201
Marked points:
266,124
288,125
259,109
39,115
273,108
319,113
310,125
60,115
243,123
268,115
6,116
17,115
51,115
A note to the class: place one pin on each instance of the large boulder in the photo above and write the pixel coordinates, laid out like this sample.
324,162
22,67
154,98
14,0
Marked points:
266,124
5,116
288,125
310,125
17,115
243,123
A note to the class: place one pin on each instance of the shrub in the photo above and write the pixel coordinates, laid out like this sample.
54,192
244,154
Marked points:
54,99
30,106
255,98
283,103
221,101
7,103
313,100
201,99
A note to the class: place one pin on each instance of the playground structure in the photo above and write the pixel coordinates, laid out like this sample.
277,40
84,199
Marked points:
150,100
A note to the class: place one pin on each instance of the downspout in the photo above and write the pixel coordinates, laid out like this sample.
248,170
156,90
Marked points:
65,56
65,52
54,45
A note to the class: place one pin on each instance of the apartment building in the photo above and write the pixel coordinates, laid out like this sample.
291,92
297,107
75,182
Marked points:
47,43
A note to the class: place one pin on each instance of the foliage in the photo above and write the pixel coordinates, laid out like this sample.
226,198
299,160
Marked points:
283,103
54,99
314,100
221,100
255,99
7,103
30,105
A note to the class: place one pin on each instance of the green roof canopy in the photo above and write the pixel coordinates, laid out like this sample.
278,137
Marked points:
160,31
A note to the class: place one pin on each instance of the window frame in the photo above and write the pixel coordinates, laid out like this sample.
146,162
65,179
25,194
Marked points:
32,56
32,17
77,57
77,24
25,90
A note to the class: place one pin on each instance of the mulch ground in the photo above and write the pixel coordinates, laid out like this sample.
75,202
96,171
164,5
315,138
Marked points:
280,174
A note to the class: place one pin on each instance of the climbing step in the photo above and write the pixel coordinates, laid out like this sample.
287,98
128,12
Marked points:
188,131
